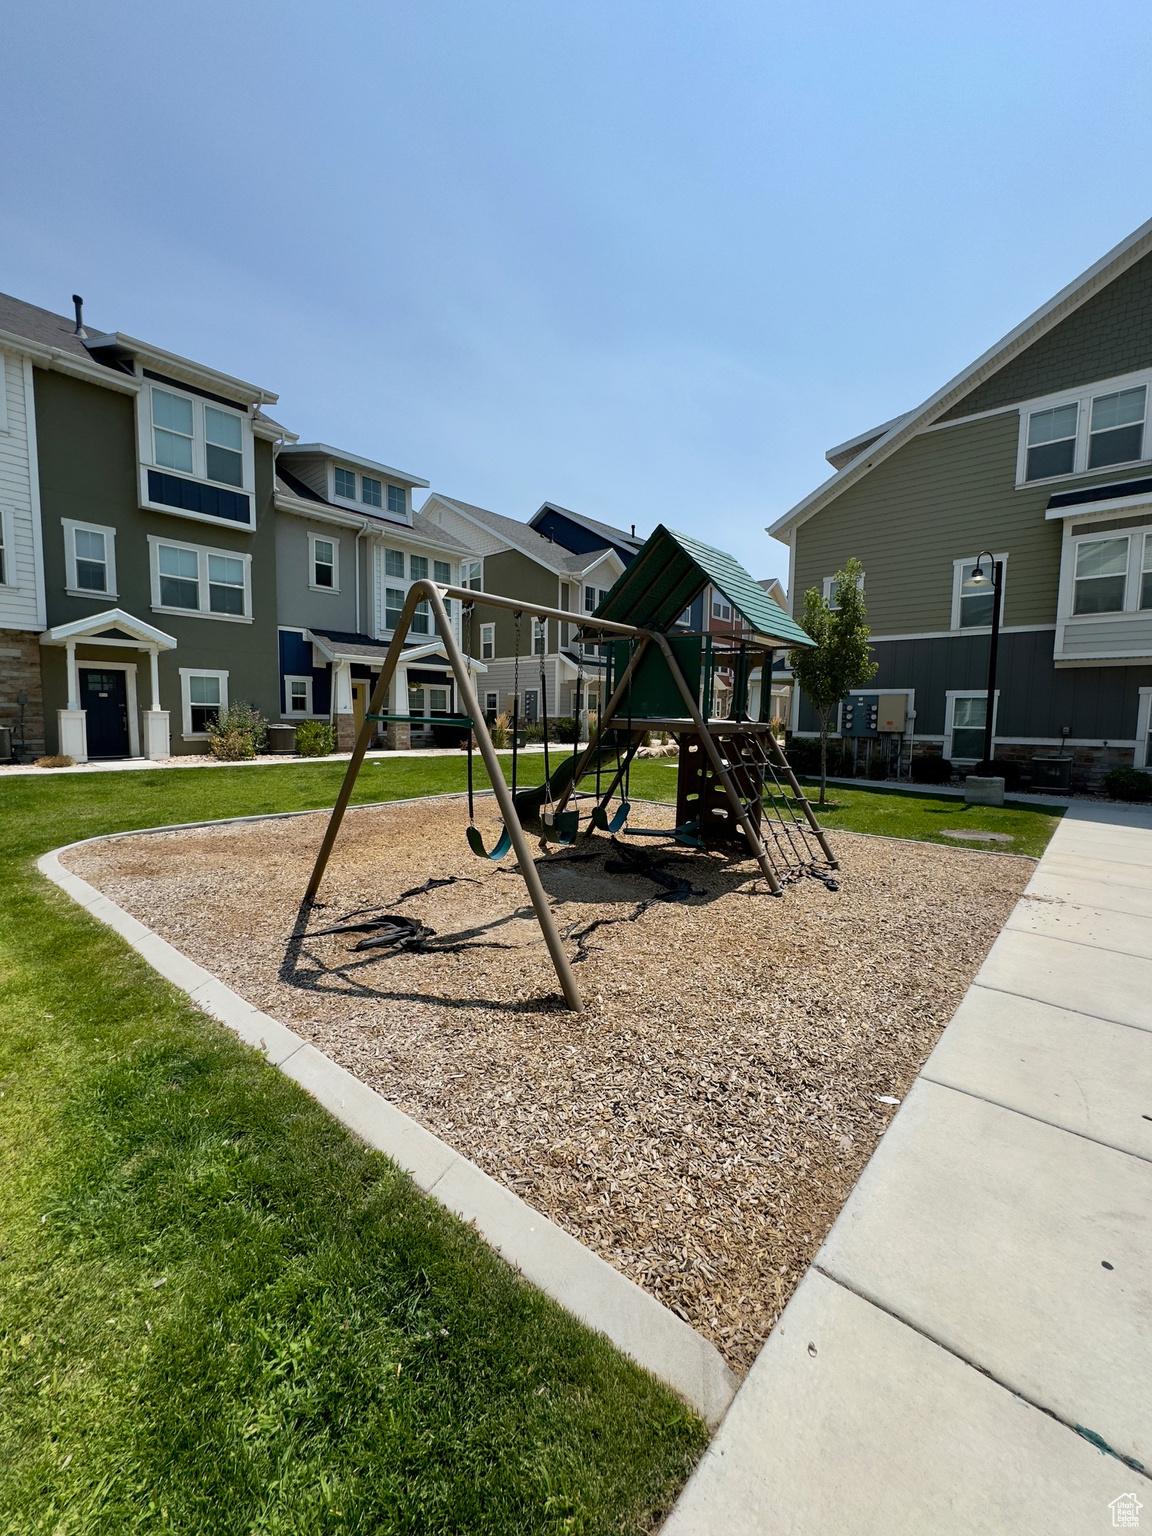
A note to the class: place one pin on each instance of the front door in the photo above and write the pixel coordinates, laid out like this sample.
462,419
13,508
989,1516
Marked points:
104,697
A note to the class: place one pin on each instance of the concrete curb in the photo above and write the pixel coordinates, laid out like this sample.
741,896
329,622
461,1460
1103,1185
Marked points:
561,1266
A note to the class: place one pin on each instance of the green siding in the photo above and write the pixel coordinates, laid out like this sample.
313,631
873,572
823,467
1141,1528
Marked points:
86,440
512,574
1109,335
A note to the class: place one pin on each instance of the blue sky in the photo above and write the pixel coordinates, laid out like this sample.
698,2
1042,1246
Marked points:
646,260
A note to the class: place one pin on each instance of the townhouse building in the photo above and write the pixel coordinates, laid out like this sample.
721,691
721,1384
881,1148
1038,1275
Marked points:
1039,455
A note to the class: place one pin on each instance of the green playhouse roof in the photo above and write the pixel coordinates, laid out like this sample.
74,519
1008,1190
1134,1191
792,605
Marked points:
672,569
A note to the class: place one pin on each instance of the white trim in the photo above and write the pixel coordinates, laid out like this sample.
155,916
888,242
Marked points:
950,697
203,377
1100,511
487,637
293,714
955,634
963,421
146,455
4,388
326,451
71,526
957,574
186,698
34,487
1082,397
1067,622
143,635
98,664
201,551
1070,298
8,573
334,543
1143,758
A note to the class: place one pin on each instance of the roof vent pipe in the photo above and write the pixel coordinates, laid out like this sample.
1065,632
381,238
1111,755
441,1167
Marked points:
79,303
633,530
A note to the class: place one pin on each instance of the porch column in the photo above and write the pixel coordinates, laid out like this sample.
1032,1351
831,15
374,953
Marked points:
157,737
342,717
399,737
71,723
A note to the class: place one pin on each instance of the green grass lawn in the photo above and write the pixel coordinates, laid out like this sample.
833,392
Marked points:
219,1313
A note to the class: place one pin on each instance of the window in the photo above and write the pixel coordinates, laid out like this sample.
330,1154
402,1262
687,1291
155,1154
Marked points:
393,603
487,642
223,446
438,701
203,695
686,616
491,705
179,578
345,483
172,430
972,602
1101,575
323,562
211,582
297,695
589,599
1116,435
1146,573
470,575
539,637
442,572
420,619
394,563
415,701
828,587
372,491
89,558
397,500
721,609
1051,442
225,585
5,537
418,567
969,713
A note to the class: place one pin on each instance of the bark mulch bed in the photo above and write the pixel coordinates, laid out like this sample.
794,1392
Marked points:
702,1123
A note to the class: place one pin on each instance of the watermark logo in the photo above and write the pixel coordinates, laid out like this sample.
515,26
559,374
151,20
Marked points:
1126,1512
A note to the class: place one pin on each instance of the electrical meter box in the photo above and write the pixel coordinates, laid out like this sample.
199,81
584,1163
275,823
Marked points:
892,712
860,715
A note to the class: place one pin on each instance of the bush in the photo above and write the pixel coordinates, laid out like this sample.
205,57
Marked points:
238,733
1128,784
500,731
931,770
315,738
55,760
804,754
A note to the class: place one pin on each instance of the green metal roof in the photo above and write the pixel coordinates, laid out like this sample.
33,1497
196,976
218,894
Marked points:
672,570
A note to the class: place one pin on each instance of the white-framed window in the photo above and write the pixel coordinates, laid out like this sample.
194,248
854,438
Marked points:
188,578
470,575
593,597
418,567
297,695
203,694
1100,577
1142,758
539,637
438,701
972,601
965,714
422,619
223,446
323,563
89,558
442,572
344,483
393,603
7,533
721,609
398,500
173,432
1085,430
394,563
487,642
1146,573
828,588
415,699
371,491
192,436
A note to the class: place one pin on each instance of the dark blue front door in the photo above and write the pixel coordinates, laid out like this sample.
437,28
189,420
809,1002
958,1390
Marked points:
104,695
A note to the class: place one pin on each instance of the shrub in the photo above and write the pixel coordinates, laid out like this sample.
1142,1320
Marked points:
55,760
804,754
1128,784
315,738
239,732
929,769
500,731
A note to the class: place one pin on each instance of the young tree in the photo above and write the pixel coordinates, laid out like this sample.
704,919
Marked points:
840,660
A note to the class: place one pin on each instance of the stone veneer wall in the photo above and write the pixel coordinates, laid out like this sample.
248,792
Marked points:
20,673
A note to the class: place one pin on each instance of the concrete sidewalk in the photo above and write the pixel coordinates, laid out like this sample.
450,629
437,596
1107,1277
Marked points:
971,1350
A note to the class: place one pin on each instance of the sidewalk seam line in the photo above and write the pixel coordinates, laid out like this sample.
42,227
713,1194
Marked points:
949,1349
1037,1119
1103,949
1030,997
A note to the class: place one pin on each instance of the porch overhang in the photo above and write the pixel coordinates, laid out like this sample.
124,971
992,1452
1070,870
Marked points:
113,627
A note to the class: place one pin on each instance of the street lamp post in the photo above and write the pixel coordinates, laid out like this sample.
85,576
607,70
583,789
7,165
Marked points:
979,579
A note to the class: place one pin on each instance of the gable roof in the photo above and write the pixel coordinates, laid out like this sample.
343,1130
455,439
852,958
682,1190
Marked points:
290,489
326,451
612,536
875,450
672,569
524,537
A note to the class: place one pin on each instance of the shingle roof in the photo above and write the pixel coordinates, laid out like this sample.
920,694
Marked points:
606,530
41,325
523,537
421,527
670,572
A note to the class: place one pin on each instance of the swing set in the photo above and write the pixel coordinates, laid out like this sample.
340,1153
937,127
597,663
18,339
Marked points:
735,787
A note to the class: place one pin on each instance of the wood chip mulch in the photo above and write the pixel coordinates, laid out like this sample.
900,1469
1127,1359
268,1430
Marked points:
701,1124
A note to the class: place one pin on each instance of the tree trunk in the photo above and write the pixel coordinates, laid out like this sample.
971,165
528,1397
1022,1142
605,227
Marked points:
823,759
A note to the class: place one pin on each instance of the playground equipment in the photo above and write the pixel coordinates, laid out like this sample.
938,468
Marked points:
735,787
